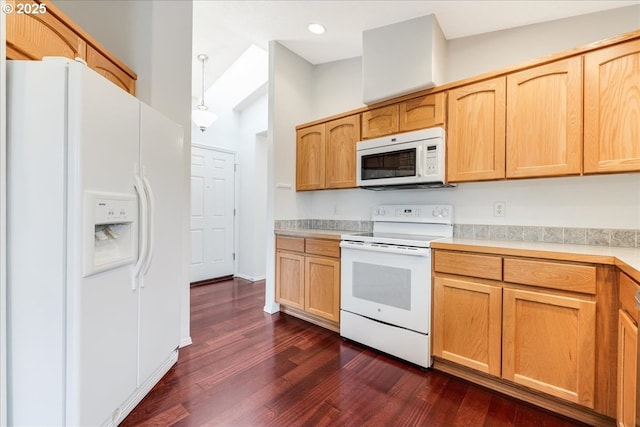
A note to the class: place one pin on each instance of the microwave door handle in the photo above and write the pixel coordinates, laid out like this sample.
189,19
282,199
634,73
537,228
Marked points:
419,162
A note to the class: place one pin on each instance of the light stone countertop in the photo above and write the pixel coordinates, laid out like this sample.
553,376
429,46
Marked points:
627,259
312,233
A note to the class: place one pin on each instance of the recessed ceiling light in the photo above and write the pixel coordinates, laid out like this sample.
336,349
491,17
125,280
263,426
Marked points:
316,28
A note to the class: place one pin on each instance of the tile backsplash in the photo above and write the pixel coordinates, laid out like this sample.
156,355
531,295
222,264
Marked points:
576,236
324,224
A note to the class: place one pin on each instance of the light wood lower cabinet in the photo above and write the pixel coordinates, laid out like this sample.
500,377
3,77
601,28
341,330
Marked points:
627,395
548,344
535,336
467,323
627,370
290,279
322,287
308,278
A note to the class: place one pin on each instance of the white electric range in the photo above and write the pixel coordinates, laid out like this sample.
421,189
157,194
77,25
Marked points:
386,280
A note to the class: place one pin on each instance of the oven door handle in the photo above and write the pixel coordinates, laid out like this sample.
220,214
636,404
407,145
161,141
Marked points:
390,249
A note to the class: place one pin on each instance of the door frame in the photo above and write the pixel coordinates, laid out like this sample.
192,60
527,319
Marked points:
235,197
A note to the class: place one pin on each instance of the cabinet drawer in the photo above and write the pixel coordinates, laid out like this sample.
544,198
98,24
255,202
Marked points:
483,266
554,275
628,289
323,247
295,244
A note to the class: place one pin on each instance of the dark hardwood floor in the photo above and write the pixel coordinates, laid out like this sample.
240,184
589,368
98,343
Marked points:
249,368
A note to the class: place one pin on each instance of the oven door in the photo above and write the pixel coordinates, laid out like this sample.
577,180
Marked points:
387,283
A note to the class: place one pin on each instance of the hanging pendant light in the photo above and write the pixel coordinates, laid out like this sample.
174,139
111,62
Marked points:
201,116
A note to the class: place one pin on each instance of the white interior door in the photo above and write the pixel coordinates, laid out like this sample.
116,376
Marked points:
212,213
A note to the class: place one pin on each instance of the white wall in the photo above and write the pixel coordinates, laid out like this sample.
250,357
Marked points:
252,165
236,130
291,104
607,201
337,87
3,222
470,56
144,35
290,94
610,201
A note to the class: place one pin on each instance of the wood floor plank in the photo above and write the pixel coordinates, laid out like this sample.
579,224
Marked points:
248,368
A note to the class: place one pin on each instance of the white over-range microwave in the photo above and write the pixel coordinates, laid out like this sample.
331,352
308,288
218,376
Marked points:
408,160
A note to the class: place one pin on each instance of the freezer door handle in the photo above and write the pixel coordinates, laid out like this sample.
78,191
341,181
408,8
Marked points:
150,232
142,253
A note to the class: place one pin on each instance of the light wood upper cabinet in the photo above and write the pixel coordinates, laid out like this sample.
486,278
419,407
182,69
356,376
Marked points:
105,67
380,121
310,158
341,138
33,36
627,370
544,120
467,323
326,154
423,112
548,344
413,114
612,109
476,131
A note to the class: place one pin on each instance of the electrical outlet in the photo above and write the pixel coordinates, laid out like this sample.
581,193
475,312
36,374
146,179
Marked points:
499,209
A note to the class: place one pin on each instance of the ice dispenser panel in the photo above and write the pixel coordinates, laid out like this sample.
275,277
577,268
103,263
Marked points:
110,231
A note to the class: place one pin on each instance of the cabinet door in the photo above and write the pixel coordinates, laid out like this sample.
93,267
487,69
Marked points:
380,121
108,69
548,344
627,366
476,132
290,279
341,138
322,287
423,112
611,109
33,36
467,323
544,120
310,160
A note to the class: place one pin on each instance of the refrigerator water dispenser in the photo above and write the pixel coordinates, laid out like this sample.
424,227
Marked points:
109,231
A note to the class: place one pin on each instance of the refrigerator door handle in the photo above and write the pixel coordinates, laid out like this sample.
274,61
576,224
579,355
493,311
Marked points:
151,234
142,253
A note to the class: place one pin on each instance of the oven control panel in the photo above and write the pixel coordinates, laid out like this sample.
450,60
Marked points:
414,213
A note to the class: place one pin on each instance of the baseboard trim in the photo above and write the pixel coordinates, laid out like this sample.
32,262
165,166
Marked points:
210,281
185,342
143,390
332,326
250,278
532,397
272,309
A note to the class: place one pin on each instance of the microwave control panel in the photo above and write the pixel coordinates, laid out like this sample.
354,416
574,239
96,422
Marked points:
431,160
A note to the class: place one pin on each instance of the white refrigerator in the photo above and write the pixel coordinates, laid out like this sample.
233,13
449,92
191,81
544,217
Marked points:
94,245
